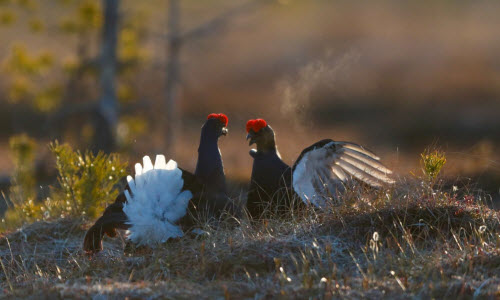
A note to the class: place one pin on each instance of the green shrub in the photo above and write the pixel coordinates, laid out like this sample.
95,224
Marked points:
22,149
22,194
432,162
86,181
86,184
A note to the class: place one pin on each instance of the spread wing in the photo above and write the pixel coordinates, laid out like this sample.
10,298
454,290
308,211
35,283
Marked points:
322,169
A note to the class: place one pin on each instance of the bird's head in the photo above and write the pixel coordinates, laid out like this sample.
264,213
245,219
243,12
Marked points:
261,134
217,123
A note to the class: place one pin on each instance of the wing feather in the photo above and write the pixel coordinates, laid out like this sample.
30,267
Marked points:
358,174
339,173
367,169
358,148
331,182
322,170
366,159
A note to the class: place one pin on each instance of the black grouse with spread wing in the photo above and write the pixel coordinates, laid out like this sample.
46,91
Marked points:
318,175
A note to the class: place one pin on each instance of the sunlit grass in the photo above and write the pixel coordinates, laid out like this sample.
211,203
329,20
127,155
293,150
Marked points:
402,240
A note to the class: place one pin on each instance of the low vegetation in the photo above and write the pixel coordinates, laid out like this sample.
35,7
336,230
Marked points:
416,239
87,183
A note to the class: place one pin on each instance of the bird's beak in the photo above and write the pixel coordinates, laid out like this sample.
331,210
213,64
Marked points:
250,137
224,131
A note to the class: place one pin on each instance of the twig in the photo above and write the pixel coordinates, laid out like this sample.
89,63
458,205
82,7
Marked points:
7,276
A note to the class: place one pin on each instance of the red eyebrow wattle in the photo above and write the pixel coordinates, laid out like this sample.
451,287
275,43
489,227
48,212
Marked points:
256,125
221,117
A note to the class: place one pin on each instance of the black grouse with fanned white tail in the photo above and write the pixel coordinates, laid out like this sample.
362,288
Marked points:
318,177
163,200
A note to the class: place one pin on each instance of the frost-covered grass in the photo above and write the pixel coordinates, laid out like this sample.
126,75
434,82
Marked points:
410,241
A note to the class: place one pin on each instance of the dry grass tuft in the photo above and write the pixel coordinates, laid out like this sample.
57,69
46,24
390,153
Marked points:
410,241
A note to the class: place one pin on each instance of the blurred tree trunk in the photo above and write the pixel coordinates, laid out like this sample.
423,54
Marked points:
175,40
172,84
106,117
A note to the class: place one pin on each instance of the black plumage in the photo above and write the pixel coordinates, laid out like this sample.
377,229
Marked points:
271,179
207,185
317,176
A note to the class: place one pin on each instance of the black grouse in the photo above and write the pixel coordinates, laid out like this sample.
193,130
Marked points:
318,175
163,201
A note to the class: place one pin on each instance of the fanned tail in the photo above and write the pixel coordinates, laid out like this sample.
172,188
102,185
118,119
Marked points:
155,202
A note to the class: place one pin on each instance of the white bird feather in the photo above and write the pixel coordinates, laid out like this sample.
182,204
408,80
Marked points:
156,202
320,174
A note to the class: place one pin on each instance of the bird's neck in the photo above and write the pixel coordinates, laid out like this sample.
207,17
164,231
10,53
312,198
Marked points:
268,146
207,141
209,168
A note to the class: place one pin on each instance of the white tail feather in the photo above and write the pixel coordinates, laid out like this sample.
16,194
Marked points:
156,202
160,162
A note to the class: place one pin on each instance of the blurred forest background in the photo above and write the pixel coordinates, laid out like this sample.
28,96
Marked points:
140,77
